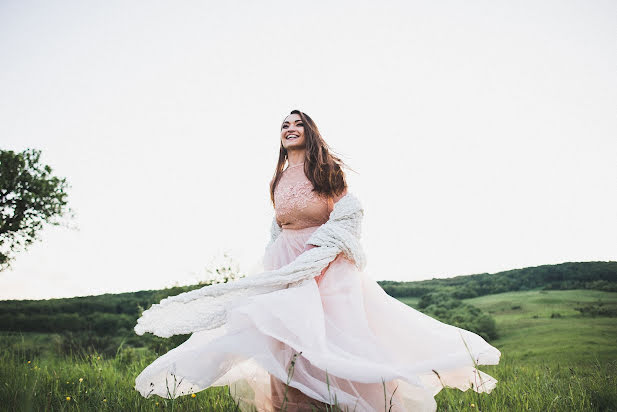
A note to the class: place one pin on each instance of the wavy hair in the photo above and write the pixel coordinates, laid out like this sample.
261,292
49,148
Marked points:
321,167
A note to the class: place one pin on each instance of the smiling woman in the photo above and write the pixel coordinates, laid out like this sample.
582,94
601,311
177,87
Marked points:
315,329
313,181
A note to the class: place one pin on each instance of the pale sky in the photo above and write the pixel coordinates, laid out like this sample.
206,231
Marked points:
483,133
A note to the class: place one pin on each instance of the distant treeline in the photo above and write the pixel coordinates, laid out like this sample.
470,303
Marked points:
101,323
442,298
96,313
105,322
570,275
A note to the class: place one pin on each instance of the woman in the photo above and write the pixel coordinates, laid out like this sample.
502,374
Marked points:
335,339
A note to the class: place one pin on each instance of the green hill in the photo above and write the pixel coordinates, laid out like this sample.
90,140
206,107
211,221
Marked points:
557,343
104,322
569,275
554,325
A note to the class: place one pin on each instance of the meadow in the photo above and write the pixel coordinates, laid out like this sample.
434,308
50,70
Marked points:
558,347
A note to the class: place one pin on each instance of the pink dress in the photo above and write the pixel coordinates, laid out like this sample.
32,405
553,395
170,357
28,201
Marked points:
340,339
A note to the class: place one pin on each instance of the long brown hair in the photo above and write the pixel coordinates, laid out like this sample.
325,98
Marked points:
321,167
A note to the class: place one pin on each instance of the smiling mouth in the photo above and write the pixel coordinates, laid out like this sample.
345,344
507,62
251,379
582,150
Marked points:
292,136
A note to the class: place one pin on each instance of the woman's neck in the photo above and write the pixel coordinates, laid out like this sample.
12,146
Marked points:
295,157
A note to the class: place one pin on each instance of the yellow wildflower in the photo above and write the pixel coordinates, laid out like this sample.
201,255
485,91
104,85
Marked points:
472,405
193,395
68,398
81,380
156,404
28,361
104,399
98,358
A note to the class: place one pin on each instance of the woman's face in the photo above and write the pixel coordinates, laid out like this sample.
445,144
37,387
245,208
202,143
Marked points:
292,132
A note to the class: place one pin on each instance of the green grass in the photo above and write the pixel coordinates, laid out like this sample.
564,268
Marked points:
566,363
90,382
411,301
540,387
528,332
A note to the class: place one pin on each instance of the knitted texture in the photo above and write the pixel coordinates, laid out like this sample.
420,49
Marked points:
208,307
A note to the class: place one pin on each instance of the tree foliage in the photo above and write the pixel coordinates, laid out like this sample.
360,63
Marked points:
448,309
30,196
568,275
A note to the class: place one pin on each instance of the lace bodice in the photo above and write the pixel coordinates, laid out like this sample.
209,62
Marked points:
296,205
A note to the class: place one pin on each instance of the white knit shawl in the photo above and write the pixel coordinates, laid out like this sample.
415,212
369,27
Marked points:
207,307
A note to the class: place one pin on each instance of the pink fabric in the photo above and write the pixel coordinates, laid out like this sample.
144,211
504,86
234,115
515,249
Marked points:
348,340
294,245
341,313
296,205
367,334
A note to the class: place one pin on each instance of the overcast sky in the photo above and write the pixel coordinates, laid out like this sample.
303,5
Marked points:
483,133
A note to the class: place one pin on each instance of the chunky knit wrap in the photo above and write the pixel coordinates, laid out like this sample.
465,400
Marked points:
208,307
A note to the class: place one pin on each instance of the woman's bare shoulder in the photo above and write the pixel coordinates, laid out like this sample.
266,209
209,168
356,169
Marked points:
336,198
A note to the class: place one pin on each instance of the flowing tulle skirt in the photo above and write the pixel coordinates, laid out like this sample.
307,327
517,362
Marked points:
335,339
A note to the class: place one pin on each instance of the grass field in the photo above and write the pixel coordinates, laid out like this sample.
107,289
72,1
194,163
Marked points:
544,326
553,359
